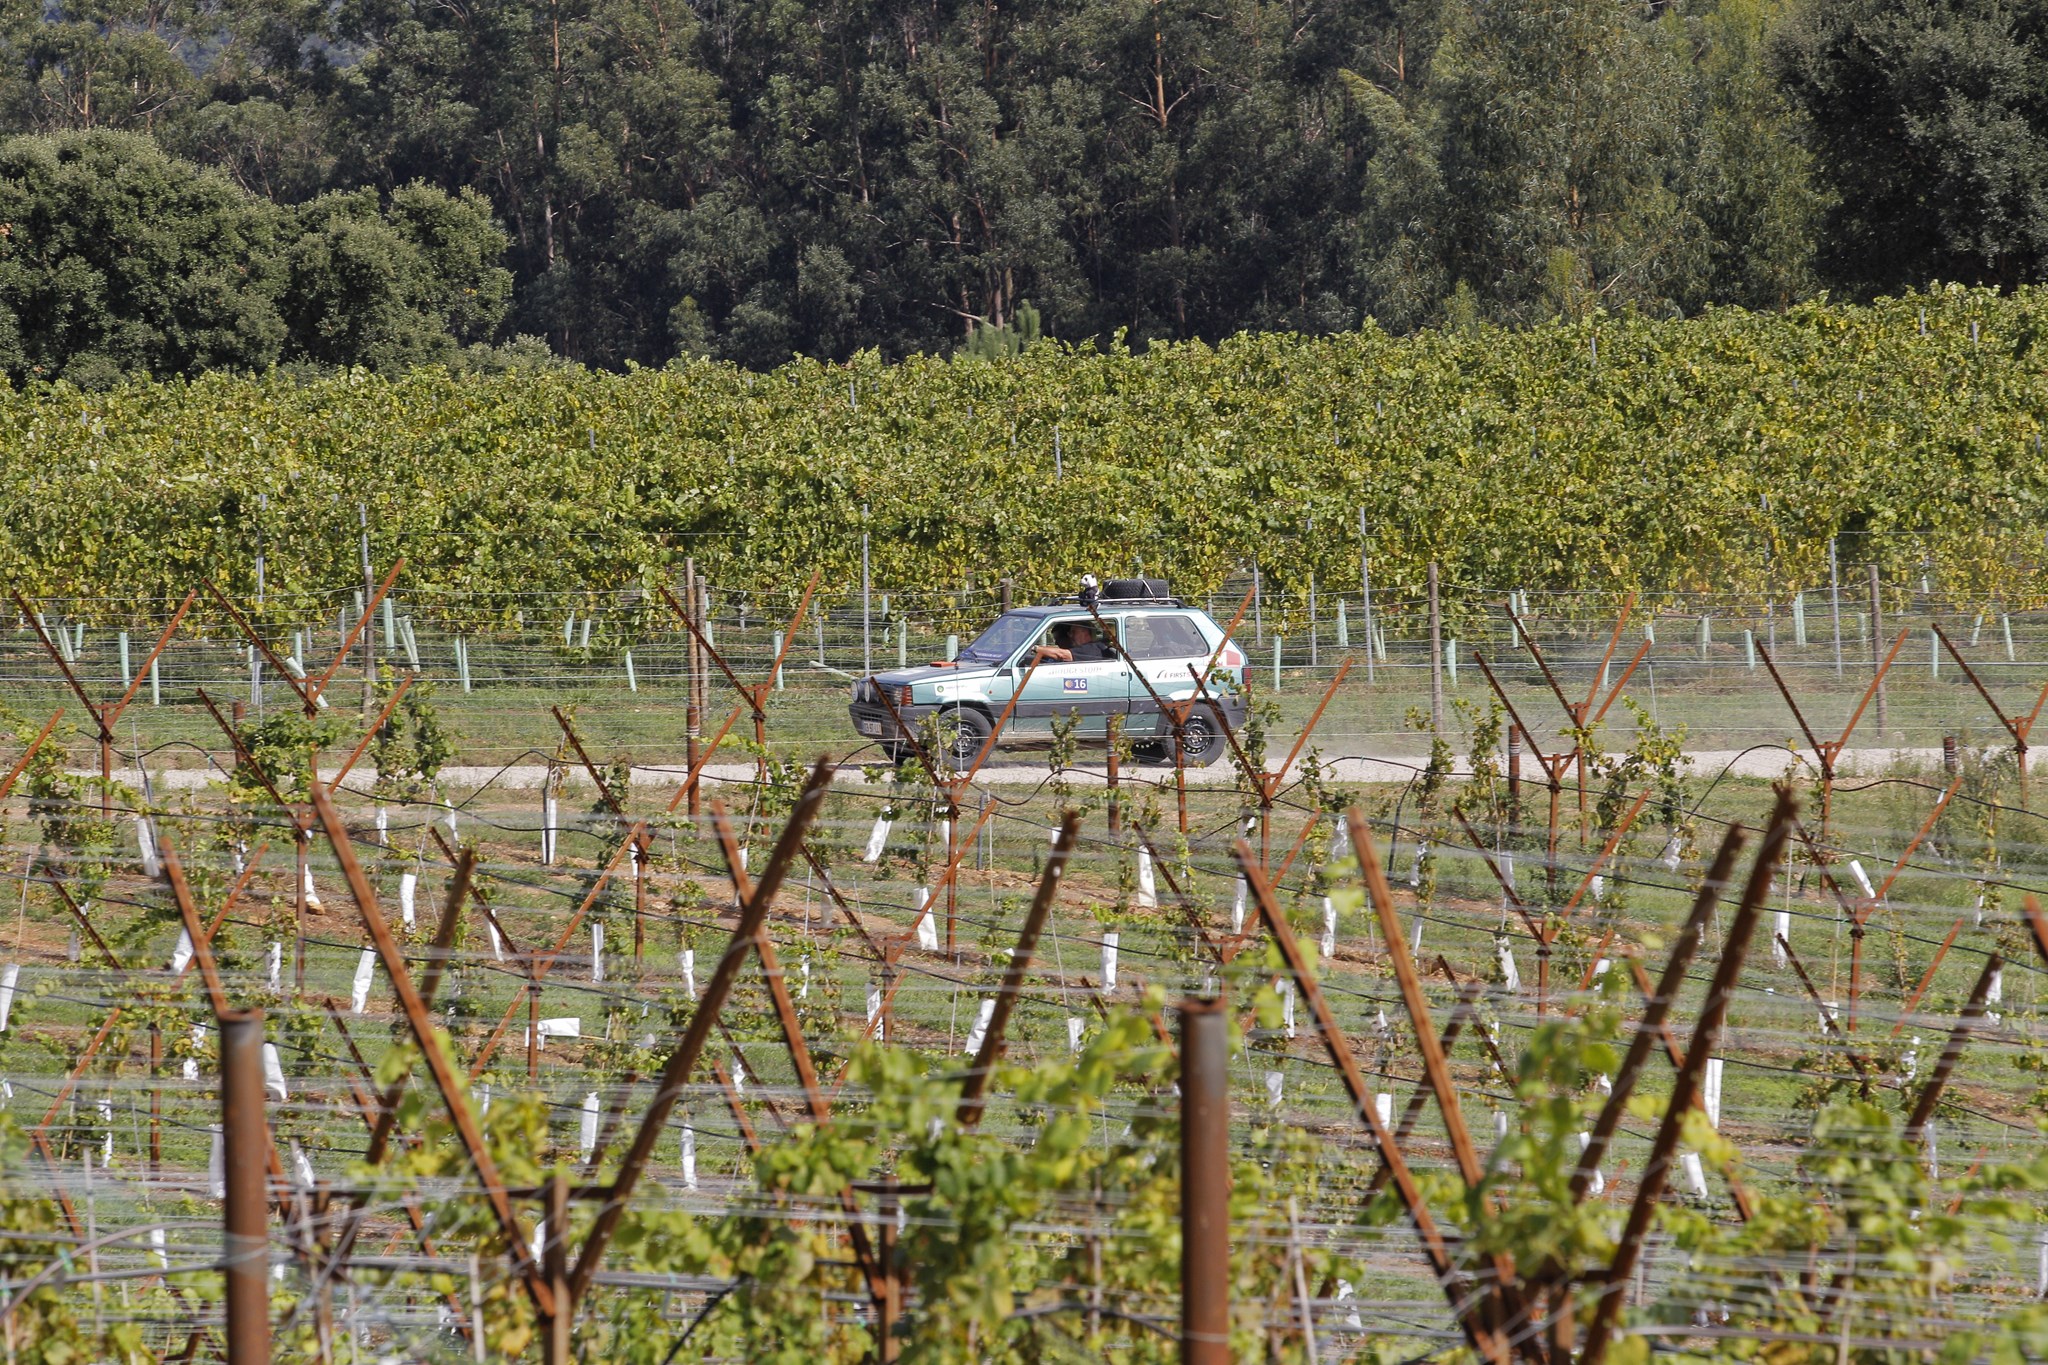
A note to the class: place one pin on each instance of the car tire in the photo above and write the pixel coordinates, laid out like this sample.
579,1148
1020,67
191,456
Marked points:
1201,740
1202,743
962,732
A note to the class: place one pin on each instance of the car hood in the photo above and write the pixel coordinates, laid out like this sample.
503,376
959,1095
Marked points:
932,673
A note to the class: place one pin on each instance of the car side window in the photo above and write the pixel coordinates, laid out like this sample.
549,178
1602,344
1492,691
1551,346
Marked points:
1136,636
1061,633
1162,637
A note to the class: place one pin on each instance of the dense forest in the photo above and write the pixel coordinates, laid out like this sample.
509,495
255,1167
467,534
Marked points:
198,184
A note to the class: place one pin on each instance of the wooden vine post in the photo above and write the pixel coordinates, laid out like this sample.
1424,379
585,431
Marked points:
105,715
1580,717
949,784
694,712
1827,753
1176,713
754,694
2015,725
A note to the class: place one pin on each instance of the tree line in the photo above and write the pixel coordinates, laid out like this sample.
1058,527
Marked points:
195,184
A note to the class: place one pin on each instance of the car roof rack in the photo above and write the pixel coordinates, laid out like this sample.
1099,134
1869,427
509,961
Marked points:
1108,603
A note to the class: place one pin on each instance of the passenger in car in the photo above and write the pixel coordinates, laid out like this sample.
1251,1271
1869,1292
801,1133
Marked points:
1082,646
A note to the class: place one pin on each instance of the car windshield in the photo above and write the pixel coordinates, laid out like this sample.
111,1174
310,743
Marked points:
1004,638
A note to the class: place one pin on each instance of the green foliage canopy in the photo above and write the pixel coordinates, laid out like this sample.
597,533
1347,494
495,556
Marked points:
1613,452
117,259
751,180
1929,121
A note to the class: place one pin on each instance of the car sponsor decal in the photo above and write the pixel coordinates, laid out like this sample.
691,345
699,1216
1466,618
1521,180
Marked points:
1074,684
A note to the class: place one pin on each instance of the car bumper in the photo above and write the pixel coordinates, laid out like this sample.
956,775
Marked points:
874,722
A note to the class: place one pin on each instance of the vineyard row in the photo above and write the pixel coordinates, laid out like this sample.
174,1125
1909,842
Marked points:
1728,452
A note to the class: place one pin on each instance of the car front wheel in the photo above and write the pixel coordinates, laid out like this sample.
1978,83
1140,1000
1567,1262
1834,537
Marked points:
961,732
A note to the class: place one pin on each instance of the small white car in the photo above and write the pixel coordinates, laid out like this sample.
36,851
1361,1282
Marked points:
1150,633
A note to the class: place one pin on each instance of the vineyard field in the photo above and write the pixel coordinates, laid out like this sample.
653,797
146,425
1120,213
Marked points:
628,688
570,972
454,920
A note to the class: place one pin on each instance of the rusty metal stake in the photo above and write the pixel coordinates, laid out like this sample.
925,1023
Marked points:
1176,713
1657,1009
1861,917
756,694
1116,812
1952,1051
556,1346
105,715
1204,1182
676,1073
1657,1169
1827,1015
1419,1097
1410,981
979,1075
1474,1314
440,1065
245,1136
2017,728
2037,923
21,764
889,1303
1927,978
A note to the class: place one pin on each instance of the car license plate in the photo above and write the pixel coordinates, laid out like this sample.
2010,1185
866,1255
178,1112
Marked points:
870,727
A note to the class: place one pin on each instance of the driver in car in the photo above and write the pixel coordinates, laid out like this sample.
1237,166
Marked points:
1082,647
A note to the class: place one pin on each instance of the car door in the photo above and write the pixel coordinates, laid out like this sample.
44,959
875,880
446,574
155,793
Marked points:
1164,645
1094,690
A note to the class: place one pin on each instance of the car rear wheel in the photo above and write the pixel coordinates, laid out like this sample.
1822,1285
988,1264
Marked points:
1202,743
